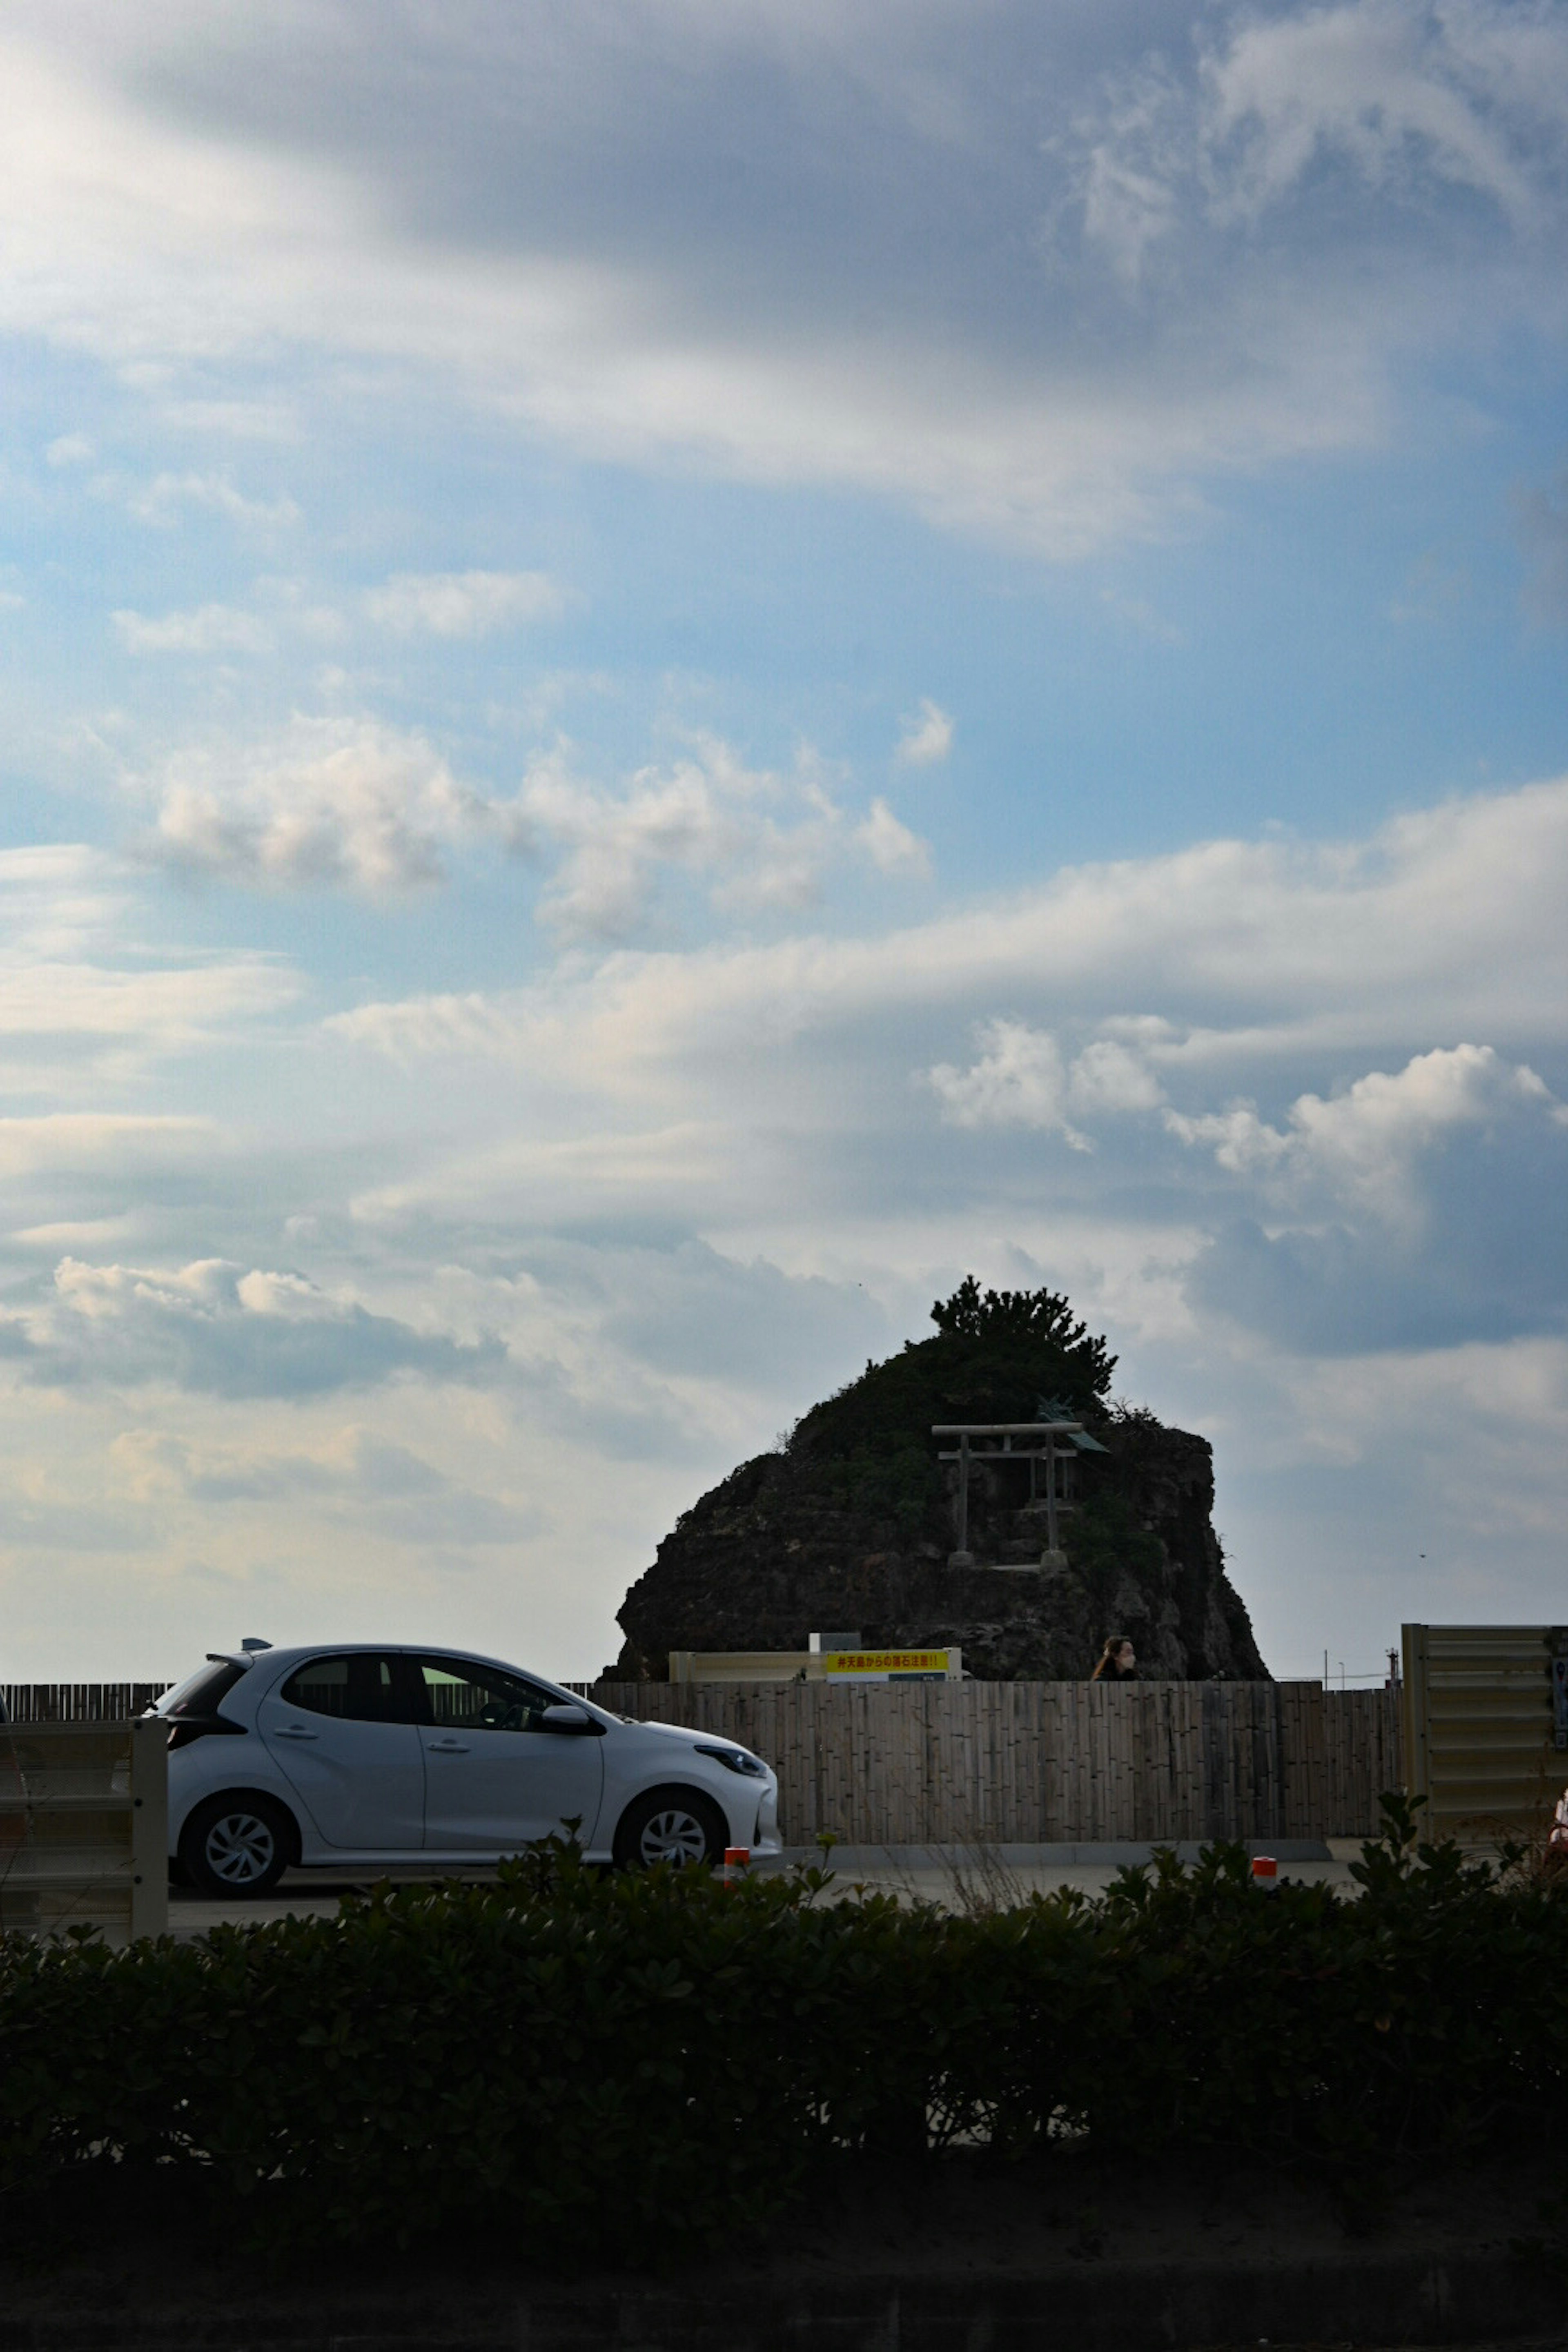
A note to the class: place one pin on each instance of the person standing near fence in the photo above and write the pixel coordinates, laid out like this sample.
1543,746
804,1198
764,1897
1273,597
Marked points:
1117,1662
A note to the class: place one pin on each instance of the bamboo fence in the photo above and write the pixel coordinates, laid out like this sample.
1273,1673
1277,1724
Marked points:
1047,1763
1004,1763
77,1702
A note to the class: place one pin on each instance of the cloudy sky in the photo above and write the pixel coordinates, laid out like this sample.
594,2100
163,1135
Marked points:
671,671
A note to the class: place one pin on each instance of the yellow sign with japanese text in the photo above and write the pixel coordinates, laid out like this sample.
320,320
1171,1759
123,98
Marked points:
886,1666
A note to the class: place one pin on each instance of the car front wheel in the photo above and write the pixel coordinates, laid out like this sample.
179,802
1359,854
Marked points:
236,1846
675,1825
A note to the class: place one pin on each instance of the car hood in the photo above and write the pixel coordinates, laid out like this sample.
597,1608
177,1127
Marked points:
690,1738
682,1731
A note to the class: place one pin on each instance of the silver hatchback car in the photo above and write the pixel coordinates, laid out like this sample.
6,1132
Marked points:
369,1753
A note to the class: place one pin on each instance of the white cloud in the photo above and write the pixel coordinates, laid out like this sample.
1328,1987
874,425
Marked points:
1209,959
87,995
1079,281
1108,1075
124,1141
1019,1081
161,499
357,803
353,1472
208,629
1022,1079
473,1023
184,1004
760,1095
69,449
1362,1144
927,738
1405,95
217,1329
890,844
463,603
338,802
756,839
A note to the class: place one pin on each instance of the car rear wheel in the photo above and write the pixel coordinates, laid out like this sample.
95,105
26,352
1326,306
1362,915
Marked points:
236,1846
675,1825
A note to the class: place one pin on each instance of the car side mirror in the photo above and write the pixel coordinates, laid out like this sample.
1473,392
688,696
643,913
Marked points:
569,1719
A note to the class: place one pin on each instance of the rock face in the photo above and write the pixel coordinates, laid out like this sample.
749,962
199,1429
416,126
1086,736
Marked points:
849,1525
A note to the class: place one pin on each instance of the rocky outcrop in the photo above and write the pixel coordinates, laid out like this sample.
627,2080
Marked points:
849,1525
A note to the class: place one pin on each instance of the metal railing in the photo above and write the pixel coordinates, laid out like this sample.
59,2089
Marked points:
84,1817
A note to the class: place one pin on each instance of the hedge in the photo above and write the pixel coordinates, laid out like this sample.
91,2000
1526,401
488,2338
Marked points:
626,2060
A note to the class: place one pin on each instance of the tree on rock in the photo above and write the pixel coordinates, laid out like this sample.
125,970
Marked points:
1041,1319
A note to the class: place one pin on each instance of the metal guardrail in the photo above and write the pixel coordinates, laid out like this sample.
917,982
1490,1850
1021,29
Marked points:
1482,1732
84,1818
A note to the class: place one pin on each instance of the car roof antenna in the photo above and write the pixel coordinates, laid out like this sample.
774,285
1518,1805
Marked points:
254,1642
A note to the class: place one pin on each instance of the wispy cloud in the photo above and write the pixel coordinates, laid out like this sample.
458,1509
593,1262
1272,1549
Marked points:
386,1486
463,603
208,629
126,1141
346,802
358,805
161,500
890,845
754,839
1054,315
216,1327
927,738
1256,1036
1446,919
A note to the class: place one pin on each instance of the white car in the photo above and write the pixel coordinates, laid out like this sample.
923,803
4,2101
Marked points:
373,1753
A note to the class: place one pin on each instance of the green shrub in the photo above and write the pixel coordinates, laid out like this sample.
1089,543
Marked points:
623,2063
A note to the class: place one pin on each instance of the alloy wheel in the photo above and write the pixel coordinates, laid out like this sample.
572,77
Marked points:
240,1847
673,1834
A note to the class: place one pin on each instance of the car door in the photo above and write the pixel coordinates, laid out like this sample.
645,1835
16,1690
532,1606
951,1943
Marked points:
494,1777
340,1728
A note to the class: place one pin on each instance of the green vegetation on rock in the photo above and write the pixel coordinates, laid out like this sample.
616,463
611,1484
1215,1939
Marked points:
996,1355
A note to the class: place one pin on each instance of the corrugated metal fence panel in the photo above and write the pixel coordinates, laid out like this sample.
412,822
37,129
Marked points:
1023,1763
1479,1725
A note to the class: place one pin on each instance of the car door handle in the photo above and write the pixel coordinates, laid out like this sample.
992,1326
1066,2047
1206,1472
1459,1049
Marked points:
447,1747
295,1731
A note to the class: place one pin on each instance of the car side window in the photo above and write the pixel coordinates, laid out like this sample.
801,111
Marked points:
463,1696
357,1688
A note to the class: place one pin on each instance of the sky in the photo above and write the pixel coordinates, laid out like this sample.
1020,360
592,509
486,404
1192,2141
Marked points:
670,672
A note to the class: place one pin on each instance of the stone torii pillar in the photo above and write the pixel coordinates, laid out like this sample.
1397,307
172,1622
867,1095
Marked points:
1040,1445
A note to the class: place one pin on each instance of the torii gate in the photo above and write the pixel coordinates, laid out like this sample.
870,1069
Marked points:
1039,1443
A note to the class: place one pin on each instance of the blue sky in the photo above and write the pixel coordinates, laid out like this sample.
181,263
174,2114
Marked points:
669,673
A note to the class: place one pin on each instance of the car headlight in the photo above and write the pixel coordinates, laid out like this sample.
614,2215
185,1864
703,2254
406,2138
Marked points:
736,1759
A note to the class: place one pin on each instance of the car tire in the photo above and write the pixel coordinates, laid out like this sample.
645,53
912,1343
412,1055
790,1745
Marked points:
236,1846
676,1825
